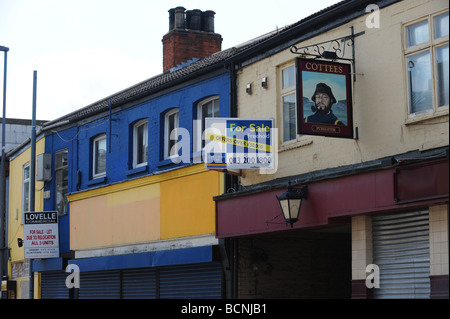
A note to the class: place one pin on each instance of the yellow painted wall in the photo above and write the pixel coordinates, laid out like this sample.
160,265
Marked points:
170,205
15,228
129,216
187,207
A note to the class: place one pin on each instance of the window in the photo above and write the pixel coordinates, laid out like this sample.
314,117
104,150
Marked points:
288,77
61,181
99,156
26,188
289,114
170,133
427,65
140,143
207,108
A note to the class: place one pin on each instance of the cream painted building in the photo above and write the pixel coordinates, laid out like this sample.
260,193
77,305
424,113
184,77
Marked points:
391,178
380,96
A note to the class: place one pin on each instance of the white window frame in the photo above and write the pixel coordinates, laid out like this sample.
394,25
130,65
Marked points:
284,92
199,138
58,169
136,127
429,46
94,156
25,181
167,133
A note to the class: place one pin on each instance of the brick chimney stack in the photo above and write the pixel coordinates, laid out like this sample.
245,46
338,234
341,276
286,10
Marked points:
191,35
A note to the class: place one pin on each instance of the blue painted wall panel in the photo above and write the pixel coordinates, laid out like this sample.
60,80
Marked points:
119,156
152,259
78,140
50,264
65,139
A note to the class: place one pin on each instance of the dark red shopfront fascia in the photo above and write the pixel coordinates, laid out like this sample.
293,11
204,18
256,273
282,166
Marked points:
329,199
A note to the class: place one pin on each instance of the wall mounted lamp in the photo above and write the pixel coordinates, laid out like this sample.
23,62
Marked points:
248,89
291,202
264,82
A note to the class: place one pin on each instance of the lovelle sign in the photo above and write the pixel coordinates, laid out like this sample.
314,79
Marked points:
40,231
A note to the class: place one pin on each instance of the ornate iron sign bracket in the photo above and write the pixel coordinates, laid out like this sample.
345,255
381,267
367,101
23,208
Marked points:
331,50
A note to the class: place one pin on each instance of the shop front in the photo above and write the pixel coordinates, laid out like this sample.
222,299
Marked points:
181,273
393,214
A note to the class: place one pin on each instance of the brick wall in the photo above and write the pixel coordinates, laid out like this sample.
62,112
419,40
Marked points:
301,265
182,45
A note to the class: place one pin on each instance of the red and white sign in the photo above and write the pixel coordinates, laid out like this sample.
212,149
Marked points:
40,231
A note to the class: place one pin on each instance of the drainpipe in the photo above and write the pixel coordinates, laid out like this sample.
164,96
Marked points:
233,90
3,173
33,174
229,259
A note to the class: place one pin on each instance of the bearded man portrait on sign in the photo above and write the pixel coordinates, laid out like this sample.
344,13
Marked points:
323,99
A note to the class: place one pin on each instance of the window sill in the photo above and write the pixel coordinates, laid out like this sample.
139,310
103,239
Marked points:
300,142
170,161
95,181
417,119
197,157
136,170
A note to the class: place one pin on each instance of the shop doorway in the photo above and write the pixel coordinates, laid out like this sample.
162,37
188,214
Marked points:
296,264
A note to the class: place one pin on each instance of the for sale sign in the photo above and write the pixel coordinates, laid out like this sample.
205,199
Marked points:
40,232
236,143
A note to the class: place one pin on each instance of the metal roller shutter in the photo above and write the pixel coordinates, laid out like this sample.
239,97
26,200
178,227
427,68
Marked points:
191,281
99,285
139,283
401,250
53,285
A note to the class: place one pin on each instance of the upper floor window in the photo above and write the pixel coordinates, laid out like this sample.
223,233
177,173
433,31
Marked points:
207,108
26,187
289,112
140,143
171,124
61,181
427,64
99,156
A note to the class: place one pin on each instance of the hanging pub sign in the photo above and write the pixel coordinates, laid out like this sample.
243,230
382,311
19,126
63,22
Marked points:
324,99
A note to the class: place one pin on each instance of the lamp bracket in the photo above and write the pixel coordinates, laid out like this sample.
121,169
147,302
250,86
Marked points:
271,221
330,50
302,190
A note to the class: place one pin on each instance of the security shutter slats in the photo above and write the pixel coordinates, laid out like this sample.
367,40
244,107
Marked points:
404,250
99,285
53,285
191,281
401,250
139,283
182,281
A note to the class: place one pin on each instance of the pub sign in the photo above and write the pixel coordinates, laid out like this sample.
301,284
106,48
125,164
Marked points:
324,98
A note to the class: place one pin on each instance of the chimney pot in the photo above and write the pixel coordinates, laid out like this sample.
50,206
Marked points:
191,36
188,19
171,19
179,18
208,21
195,21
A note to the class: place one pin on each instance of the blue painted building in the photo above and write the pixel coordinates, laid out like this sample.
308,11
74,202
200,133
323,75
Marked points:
117,122
121,147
